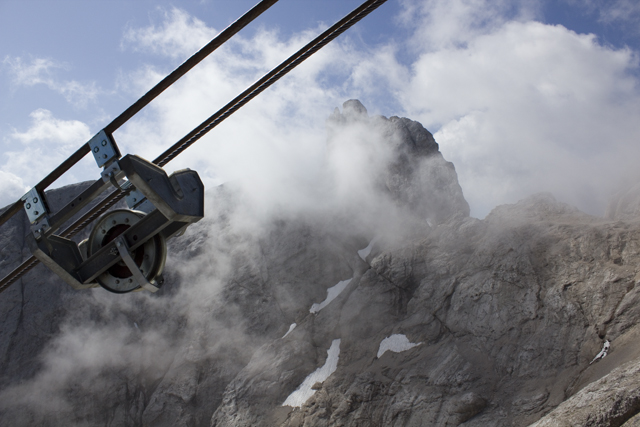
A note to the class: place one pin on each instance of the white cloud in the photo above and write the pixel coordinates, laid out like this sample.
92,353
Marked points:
518,106
522,107
11,188
620,10
615,12
439,24
46,128
38,150
40,71
178,36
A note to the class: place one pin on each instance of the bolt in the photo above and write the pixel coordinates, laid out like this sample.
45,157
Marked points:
28,206
96,149
104,142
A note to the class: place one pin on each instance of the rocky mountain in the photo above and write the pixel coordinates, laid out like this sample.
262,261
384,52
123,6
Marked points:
382,303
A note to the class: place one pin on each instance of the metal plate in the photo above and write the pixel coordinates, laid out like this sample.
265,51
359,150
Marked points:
103,148
150,257
34,205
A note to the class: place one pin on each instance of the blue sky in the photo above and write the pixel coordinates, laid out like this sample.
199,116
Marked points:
522,96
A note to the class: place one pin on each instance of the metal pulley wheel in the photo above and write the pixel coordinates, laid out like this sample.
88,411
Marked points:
149,257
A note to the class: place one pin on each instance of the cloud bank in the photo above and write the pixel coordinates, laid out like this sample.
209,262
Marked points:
517,105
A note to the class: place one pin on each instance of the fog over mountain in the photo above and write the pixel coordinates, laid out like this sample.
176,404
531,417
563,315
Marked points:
363,294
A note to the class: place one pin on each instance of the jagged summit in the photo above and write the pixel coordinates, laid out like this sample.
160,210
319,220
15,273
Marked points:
411,168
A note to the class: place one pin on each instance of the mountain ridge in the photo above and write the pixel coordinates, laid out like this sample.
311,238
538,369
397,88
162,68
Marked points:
501,317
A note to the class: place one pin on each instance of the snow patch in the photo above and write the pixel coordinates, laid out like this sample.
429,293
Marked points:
396,343
332,293
364,253
603,352
291,328
304,392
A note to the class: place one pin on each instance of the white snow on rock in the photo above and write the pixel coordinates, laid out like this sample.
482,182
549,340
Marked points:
332,293
395,343
366,251
291,328
304,392
603,352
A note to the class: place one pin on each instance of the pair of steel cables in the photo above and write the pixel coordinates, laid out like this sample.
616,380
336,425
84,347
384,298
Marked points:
197,133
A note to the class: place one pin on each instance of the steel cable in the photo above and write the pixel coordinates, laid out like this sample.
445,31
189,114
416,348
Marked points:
145,99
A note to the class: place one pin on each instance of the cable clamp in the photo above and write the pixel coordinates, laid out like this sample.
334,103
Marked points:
104,148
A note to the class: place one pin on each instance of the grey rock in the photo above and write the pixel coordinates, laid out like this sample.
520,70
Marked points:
507,313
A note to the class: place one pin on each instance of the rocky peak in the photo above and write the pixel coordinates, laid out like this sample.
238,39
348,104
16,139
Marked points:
312,321
410,167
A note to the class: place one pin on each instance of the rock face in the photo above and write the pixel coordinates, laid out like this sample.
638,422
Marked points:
484,322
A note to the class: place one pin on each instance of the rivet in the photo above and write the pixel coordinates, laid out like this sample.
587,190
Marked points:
104,142
35,200
36,212
117,281
96,149
28,206
104,156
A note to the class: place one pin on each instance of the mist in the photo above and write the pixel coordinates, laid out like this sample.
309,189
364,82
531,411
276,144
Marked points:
517,106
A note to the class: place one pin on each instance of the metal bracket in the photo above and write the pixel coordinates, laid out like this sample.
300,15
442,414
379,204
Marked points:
138,201
37,212
112,173
123,249
34,205
104,148
40,227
